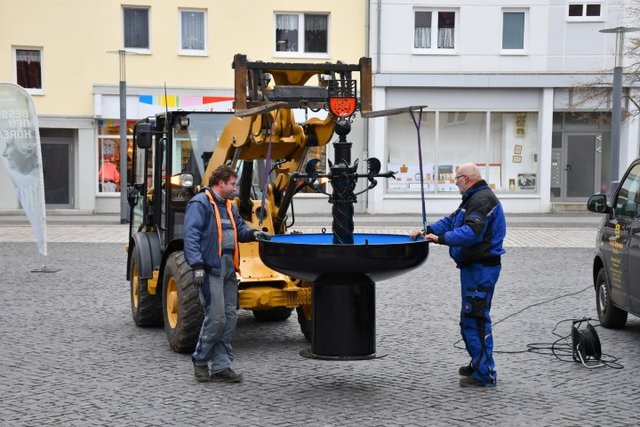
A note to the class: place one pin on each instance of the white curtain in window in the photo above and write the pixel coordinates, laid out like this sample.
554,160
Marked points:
287,22
27,56
422,38
193,30
445,38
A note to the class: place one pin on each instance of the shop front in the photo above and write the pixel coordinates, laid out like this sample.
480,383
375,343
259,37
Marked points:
107,176
141,103
533,150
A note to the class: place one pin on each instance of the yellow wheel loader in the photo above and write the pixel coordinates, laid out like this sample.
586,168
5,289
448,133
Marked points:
174,155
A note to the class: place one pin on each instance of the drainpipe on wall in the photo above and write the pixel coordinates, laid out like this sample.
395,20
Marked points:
378,35
365,150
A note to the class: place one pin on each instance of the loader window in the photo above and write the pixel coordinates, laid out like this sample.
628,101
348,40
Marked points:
193,141
138,178
184,160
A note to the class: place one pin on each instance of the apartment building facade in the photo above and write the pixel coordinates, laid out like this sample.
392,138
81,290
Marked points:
501,83
178,56
509,85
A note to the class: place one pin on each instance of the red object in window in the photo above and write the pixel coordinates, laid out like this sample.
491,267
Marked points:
342,107
109,173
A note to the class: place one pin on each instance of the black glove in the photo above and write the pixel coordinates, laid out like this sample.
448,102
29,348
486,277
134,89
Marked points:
198,276
261,235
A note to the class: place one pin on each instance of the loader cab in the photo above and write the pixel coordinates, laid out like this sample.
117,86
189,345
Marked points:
170,157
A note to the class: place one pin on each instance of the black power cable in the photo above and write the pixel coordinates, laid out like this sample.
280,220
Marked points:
494,324
585,343
584,347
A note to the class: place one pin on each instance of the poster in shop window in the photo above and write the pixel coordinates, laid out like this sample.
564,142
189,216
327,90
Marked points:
526,181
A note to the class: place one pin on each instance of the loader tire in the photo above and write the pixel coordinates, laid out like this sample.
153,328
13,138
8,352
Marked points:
181,306
276,314
304,320
146,309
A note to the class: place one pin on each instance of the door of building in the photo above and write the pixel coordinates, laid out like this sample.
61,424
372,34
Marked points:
581,166
57,169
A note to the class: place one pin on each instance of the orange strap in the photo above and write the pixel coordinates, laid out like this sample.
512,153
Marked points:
236,249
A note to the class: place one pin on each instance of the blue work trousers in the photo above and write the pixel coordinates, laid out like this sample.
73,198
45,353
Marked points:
219,299
478,282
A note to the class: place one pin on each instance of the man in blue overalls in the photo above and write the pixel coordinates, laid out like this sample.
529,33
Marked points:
474,233
212,230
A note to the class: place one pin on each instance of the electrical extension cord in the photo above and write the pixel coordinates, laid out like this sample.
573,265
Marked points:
585,347
494,324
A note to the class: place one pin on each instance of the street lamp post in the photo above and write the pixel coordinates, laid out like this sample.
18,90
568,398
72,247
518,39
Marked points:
124,207
616,101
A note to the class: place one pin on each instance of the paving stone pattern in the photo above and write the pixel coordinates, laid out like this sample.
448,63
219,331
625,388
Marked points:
71,355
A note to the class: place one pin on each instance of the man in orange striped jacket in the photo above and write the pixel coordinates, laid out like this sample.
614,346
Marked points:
212,230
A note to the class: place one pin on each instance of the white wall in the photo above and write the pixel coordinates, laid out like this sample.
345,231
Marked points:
552,42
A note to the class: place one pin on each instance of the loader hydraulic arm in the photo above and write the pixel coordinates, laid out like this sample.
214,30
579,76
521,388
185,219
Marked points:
265,126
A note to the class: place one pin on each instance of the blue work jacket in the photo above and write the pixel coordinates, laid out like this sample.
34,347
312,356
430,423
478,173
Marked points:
200,233
475,231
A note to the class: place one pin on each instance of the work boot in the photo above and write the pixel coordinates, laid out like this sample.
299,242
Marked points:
466,371
201,373
227,375
472,382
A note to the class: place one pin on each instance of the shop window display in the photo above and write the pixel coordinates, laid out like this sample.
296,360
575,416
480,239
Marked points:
514,144
109,173
506,152
403,153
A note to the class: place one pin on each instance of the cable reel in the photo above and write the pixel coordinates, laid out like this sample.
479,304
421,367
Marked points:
585,345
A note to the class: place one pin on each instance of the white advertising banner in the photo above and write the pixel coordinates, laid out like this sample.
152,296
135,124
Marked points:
21,156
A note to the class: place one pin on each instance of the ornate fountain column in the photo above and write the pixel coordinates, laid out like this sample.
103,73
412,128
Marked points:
343,179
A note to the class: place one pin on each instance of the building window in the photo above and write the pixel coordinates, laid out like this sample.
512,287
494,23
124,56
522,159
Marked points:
29,69
503,145
301,33
434,30
136,28
193,32
513,145
584,11
513,30
403,154
109,154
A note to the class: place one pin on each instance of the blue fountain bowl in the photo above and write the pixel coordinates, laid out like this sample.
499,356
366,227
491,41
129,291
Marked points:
309,256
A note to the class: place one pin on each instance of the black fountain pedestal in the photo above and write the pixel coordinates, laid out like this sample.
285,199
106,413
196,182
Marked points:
344,318
343,276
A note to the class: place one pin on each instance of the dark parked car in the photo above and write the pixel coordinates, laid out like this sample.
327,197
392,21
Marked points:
616,266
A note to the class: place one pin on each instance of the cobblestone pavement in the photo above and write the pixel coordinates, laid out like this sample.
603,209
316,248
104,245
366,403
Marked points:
71,354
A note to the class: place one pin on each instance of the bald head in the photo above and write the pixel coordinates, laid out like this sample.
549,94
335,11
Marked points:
468,174
471,170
